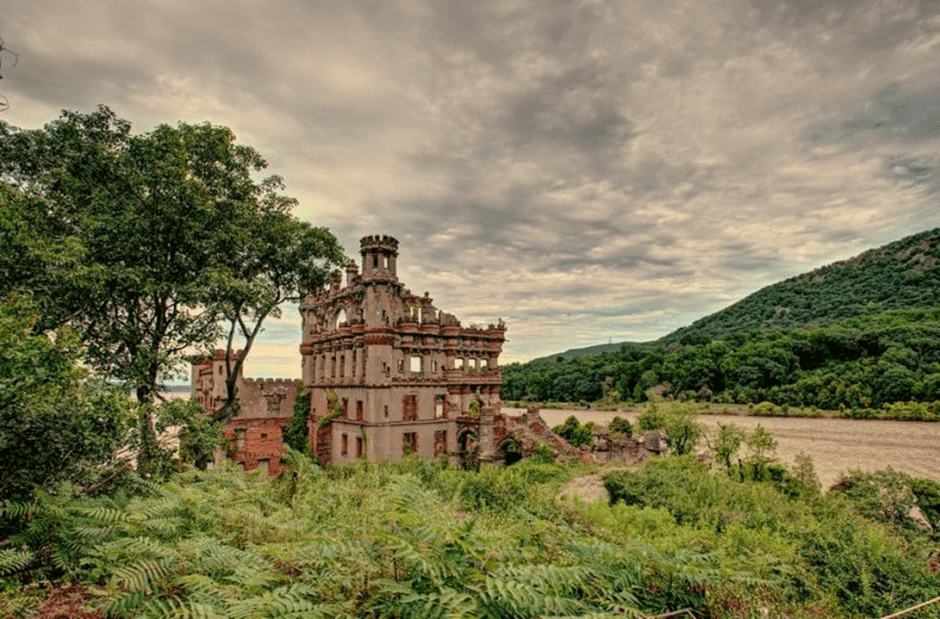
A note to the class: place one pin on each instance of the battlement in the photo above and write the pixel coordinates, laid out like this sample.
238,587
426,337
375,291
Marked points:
217,355
269,382
379,242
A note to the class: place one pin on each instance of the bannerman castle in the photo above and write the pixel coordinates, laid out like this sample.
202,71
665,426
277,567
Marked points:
388,374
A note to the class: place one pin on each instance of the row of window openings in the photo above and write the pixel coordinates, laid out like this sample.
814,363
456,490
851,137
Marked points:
241,436
409,444
414,365
409,409
416,314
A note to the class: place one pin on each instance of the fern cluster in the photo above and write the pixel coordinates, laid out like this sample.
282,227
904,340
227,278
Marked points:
409,539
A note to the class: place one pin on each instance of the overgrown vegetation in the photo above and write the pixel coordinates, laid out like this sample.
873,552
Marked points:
419,539
575,433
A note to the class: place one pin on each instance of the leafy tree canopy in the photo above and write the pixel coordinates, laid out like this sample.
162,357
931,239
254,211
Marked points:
146,242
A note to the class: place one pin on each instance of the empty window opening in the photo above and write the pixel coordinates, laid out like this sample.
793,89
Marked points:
434,366
375,261
409,443
264,435
354,360
385,261
385,410
340,318
345,408
440,442
401,366
439,406
359,413
409,406
358,446
415,365
344,445
458,363
342,366
332,367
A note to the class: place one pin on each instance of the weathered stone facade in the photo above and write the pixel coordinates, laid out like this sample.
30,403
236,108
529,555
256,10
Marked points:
265,408
397,370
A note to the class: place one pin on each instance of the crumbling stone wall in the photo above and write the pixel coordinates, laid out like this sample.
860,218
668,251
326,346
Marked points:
265,409
497,438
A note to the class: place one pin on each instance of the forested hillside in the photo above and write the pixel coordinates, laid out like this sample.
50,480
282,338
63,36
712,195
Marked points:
856,334
899,275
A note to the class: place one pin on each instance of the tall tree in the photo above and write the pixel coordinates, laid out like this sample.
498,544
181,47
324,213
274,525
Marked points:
155,238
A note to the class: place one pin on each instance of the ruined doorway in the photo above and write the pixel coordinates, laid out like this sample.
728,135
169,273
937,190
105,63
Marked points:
468,445
510,451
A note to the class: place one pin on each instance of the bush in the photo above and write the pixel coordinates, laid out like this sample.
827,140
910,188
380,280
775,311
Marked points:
620,427
575,433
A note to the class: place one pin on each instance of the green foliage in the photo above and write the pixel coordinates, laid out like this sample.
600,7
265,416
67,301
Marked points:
727,442
620,427
575,433
841,554
198,435
678,419
146,242
55,424
419,539
295,434
652,417
336,409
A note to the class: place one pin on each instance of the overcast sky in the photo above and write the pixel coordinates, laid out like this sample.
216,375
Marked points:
586,171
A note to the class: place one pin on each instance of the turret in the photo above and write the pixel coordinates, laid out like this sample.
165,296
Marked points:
379,254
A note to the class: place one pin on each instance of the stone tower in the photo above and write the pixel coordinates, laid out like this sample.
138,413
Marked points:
388,372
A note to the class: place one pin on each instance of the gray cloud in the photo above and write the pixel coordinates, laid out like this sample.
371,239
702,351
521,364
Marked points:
585,169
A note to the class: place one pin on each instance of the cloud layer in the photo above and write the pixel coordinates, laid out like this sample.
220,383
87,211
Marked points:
584,170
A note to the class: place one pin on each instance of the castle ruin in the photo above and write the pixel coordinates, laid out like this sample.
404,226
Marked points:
388,373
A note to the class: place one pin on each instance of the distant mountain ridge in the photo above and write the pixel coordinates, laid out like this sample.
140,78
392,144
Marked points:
575,353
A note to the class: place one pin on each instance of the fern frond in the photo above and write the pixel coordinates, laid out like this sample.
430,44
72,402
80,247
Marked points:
102,515
12,510
13,560
139,576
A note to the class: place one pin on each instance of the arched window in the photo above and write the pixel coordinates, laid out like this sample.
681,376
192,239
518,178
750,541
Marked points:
339,318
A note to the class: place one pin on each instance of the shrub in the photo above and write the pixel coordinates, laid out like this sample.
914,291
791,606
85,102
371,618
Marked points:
620,427
575,433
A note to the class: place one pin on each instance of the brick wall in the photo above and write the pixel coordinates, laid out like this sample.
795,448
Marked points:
256,443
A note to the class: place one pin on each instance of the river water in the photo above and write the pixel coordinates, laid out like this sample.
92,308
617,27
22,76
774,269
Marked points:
835,445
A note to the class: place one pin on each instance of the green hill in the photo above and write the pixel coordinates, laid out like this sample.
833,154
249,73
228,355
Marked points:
860,333
900,275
